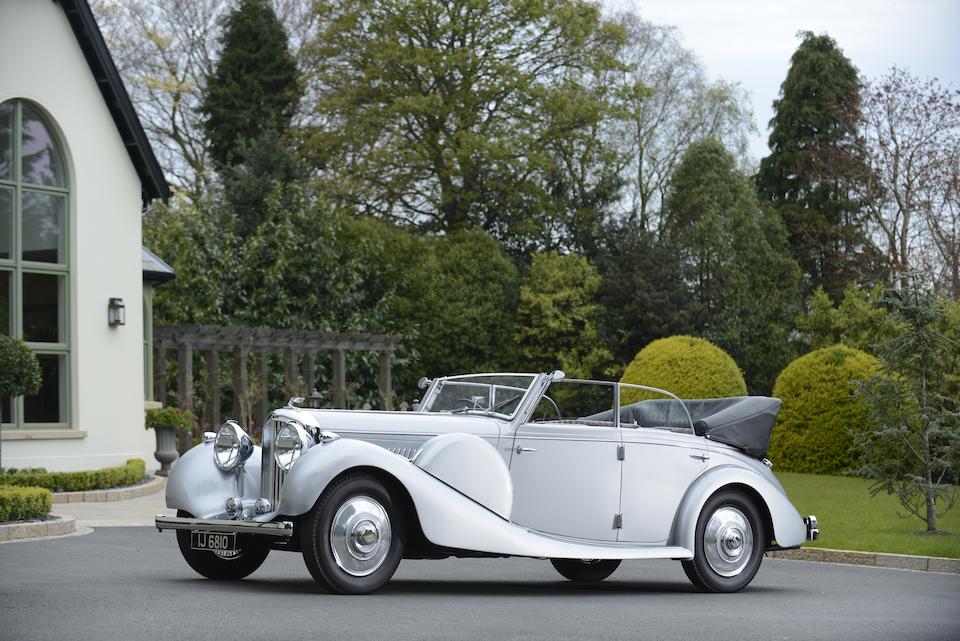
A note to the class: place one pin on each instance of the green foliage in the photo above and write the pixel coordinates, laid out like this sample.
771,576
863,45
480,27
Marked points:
22,503
556,326
913,445
463,114
860,320
820,413
105,478
742,287
461,312
168,417
19,369
255,87
201,246
452,297
687,366
642,296
809,173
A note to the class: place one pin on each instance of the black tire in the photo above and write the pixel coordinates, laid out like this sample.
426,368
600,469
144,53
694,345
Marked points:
715,566
352,574
585,571
250,556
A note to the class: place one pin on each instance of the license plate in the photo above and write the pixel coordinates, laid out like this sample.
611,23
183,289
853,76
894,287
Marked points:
214,541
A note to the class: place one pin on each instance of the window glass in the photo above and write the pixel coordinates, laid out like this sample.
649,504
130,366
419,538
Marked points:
573,401
6,406
46,406
38,153
43,227
6,306
6,223
7,112
42,302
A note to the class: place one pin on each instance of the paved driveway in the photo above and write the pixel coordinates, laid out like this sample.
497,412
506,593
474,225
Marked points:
130,583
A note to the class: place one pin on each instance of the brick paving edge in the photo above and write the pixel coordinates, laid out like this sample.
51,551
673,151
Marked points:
60,526
117,494
872,559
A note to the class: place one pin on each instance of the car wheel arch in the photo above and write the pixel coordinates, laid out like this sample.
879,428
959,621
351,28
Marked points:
717,480
398,492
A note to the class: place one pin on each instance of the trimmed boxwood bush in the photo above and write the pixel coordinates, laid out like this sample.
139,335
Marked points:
687,366
20,503
820,413
130,474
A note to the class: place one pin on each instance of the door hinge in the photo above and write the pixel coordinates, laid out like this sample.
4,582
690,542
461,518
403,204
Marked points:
621,452
618,522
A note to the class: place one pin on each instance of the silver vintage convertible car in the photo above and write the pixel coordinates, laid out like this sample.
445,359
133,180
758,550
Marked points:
584,473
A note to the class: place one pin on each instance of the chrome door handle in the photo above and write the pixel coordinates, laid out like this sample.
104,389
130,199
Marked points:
521,450
701,457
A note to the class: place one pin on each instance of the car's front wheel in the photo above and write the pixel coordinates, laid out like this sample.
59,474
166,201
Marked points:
729,544
223,566
585,570
352,540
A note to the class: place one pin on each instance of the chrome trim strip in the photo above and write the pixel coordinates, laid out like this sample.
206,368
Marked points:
275,528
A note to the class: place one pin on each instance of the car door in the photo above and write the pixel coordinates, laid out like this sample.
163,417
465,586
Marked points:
658,467
566,479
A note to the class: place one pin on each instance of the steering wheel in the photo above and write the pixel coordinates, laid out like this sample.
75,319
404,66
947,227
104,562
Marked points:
469,404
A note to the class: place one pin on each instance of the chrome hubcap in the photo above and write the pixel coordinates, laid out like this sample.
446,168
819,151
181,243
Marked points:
728,541
360,535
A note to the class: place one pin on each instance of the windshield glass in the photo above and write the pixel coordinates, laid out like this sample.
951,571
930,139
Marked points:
498,394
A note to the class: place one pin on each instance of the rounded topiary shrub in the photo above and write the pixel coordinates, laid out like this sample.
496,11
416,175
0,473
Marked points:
687,366
814,430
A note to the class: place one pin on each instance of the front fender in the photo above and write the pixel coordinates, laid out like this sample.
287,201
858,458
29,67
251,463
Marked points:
199,487
788,527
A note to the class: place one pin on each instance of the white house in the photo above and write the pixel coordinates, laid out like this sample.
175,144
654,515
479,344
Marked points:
76,171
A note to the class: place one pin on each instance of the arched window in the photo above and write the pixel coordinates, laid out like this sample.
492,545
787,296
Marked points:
34,266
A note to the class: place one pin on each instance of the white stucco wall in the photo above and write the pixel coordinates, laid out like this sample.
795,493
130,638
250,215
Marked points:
41,61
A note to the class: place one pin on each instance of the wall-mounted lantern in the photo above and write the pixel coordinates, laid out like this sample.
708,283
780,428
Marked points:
116,313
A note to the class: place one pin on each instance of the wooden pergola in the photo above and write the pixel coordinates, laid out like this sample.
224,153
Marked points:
299,349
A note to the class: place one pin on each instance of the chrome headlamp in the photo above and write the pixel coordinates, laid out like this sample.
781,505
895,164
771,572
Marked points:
291,441
231,447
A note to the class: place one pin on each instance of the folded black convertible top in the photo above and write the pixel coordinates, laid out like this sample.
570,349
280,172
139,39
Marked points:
743,422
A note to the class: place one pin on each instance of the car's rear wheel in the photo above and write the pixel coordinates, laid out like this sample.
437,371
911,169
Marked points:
729,544
585,570
353,538
223,566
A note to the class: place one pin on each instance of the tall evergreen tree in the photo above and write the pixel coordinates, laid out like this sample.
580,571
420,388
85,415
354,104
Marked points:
742,284
809,174
255,87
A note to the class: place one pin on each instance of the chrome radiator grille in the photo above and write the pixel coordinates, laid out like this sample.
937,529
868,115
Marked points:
271,476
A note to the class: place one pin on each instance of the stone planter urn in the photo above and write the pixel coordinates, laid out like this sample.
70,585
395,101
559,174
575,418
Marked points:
166,448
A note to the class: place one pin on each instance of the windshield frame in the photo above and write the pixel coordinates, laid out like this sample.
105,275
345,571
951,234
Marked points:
437,384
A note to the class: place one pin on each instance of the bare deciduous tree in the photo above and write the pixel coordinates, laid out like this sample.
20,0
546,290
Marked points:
670,103
911,142
165,50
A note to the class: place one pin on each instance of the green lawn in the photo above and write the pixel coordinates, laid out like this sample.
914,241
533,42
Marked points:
850,519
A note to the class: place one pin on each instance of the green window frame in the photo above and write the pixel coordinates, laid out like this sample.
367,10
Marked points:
34,260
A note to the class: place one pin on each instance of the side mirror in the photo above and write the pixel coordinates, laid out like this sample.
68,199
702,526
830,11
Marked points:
424,382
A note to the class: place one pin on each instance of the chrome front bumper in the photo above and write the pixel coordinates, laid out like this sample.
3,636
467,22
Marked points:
283,529
813,531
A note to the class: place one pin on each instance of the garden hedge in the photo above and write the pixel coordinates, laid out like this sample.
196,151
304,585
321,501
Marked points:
20,503
130,474
820,413
687,366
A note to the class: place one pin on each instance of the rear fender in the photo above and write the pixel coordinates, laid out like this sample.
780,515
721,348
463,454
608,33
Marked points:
788,527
